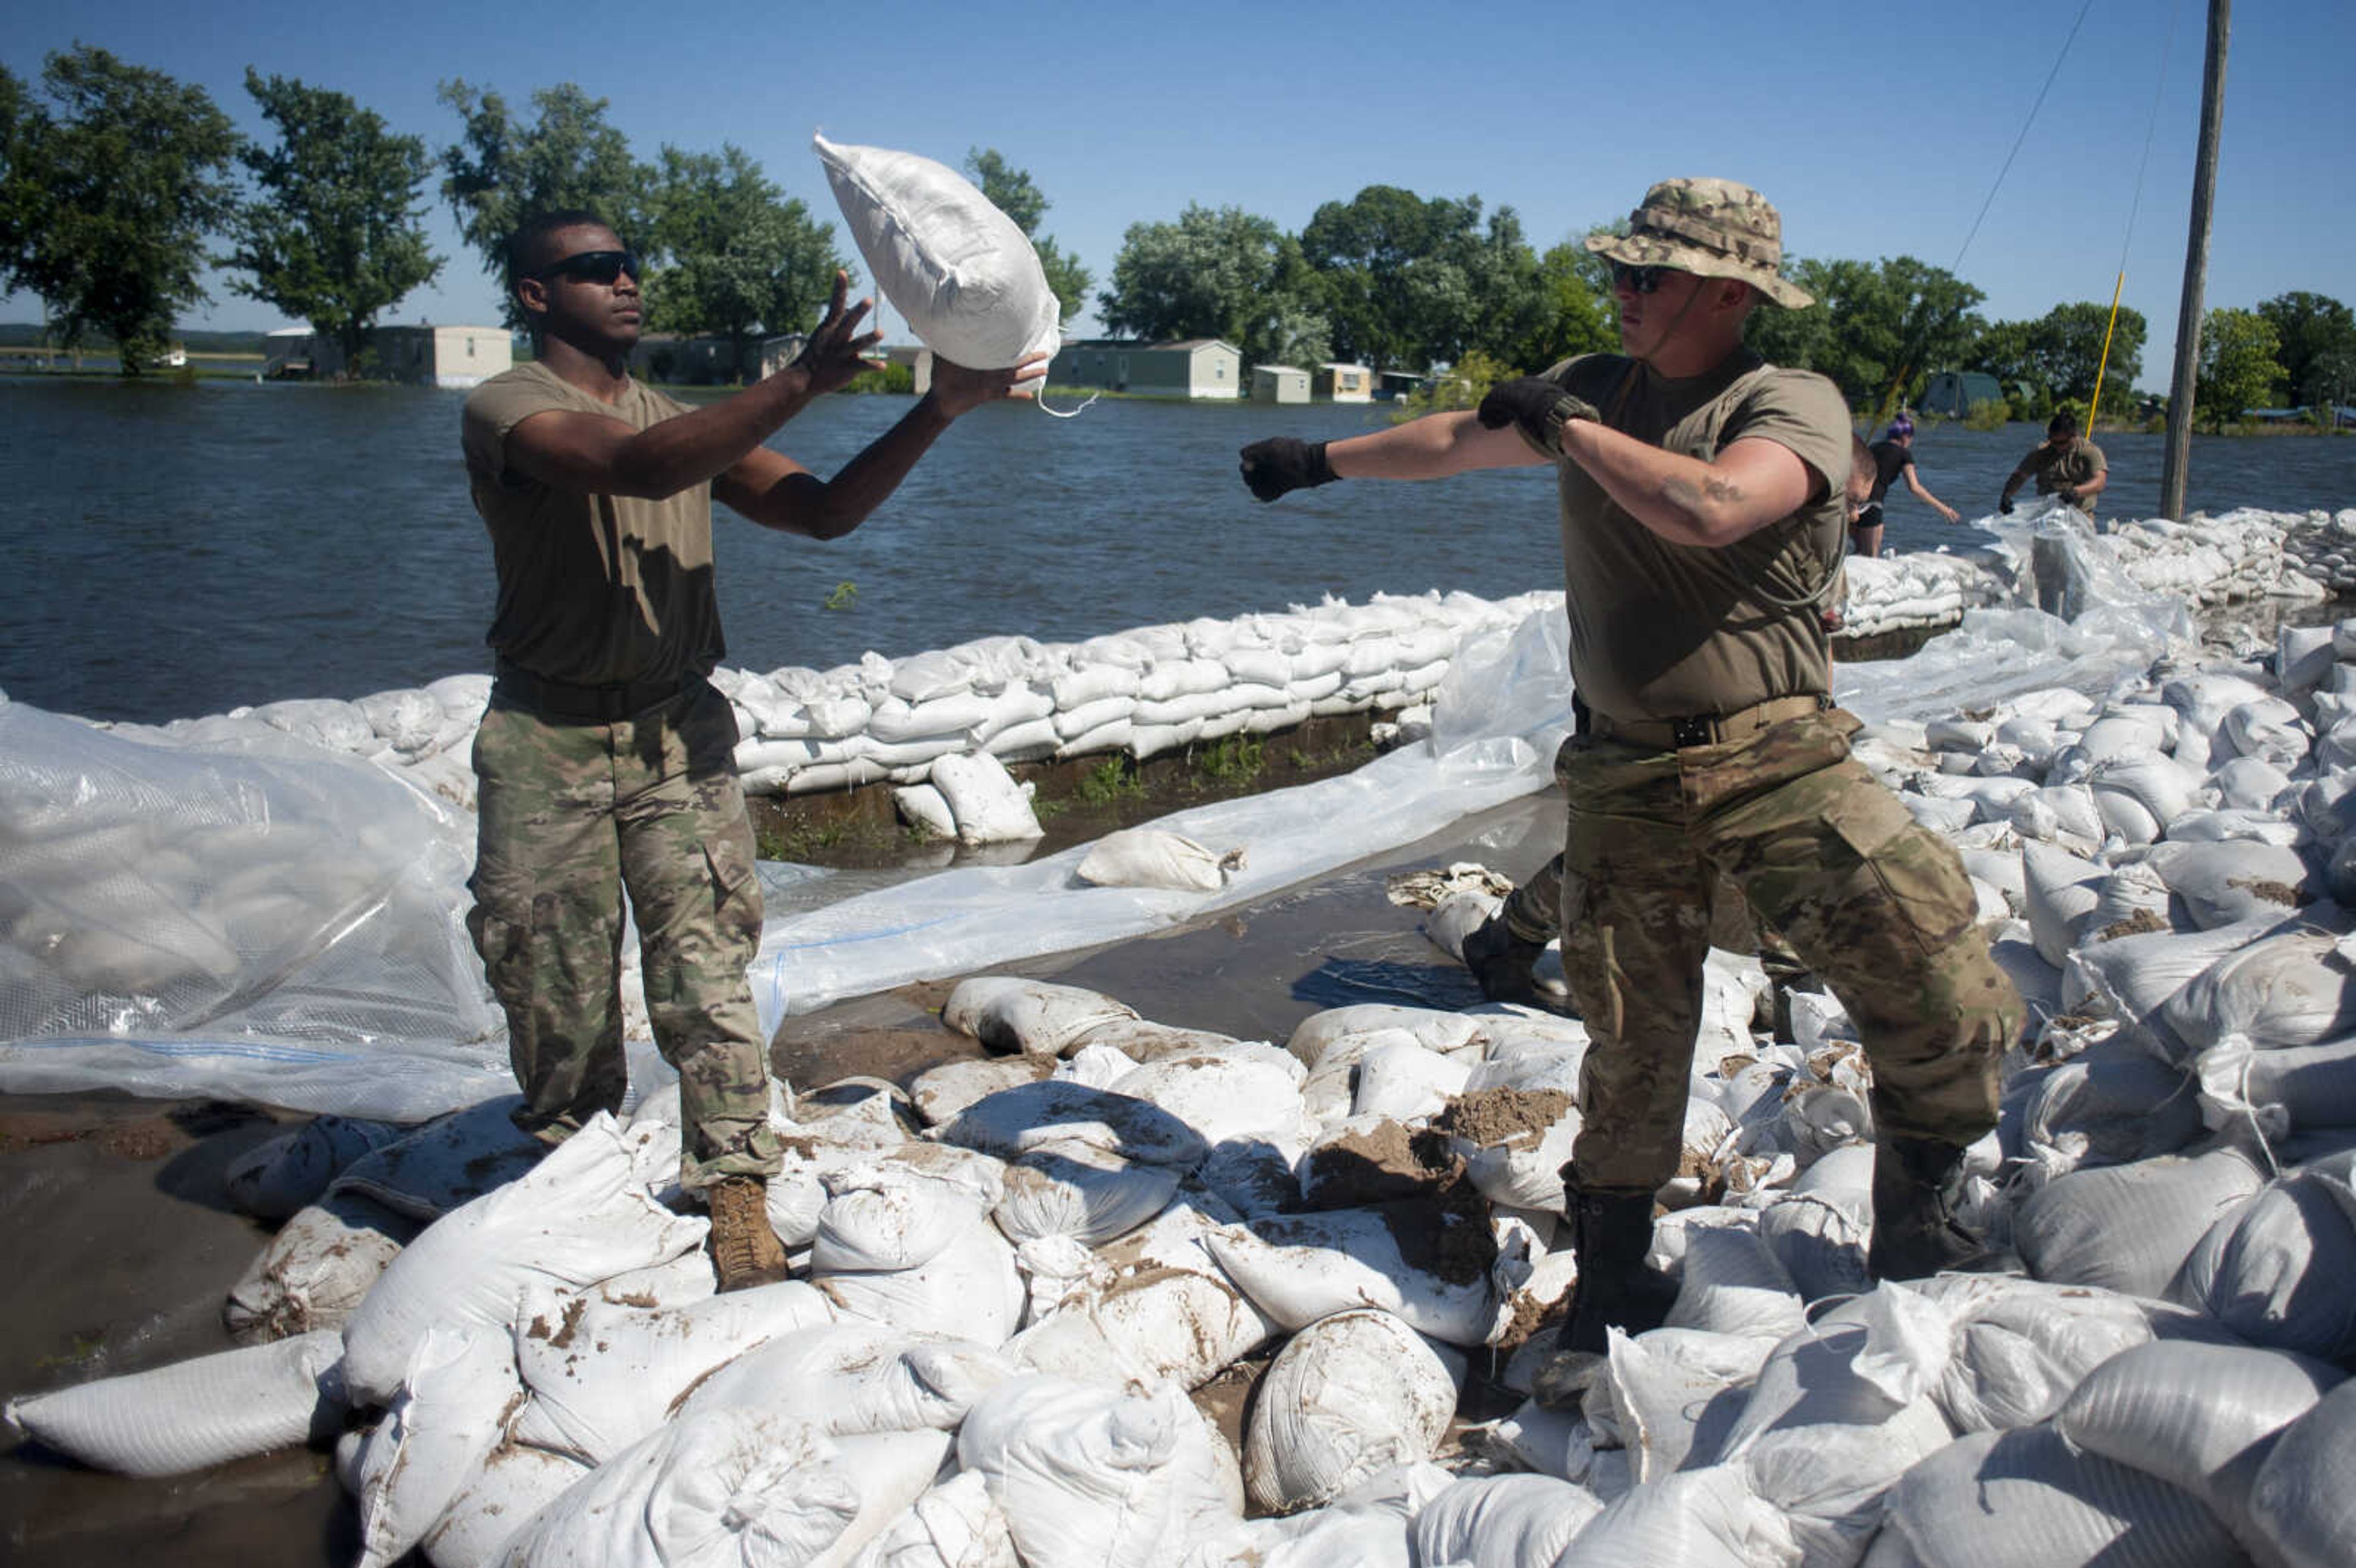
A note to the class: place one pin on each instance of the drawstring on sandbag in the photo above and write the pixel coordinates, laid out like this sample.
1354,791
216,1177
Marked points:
1041,398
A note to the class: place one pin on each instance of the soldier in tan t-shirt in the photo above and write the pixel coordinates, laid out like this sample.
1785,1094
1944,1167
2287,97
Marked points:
1703,506
606,764
2063,465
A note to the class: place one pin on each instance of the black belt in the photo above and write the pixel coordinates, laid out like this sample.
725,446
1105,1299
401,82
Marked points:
605,703
1700,729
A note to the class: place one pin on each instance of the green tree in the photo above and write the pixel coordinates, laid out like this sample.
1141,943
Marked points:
2236,368
1226,274
502,170
1408,281
1571,318
2063,349
2317,337
108,194
1012,191
1877,330
334,234
737,256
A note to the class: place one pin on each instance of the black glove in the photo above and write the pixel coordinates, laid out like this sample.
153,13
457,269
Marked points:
1538,406
2068,494
1284,464
2005,506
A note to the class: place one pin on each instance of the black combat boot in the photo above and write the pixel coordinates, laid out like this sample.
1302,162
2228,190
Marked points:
1611,1232
1916,1182
1503,963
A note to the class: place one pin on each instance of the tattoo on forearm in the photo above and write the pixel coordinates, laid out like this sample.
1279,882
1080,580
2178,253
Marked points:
1683,493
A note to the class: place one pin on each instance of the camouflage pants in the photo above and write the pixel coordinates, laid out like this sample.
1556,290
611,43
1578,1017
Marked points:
1533,912
1871,902
571,817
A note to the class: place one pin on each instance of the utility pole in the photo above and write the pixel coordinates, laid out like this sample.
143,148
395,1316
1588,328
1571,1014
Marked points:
2173,465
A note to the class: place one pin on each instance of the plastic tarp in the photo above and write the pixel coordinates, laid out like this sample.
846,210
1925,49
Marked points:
286,926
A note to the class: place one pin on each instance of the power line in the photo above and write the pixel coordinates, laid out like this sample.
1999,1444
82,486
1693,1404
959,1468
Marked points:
2050,76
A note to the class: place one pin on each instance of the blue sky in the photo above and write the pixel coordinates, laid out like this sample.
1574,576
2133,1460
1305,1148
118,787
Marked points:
1878,132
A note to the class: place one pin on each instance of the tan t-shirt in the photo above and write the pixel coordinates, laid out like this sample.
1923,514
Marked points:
593,589
1671,631
2074,464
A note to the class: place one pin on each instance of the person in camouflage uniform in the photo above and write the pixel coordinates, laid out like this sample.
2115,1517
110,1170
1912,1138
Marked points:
1702,502
2065,464
605,762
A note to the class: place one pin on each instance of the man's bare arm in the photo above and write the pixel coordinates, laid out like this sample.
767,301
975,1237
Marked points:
598,455
776,492
1751,483
1433,447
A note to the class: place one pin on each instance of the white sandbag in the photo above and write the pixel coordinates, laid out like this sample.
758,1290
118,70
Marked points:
1696,1519
1838,1412
2202,1417
2024,1499
2290,1089
602,1376
2250,783
2273,1270
1298,1268
920,1260
1155,857
1446,1032
272,1180
2112,1104
2060,891
1348,1396
580,1217
196,1413
2132,899
940,1093
988,805
923,806
1514,1142
2133,978
2304,1499
2065,815
510,1486
954,1525
2223,827
2129,1228
1502,1520
1732,1283
2018,1346
314,1272
2298,987
1234,1092
1087,1194
2269,729
852,1379
956,269
2220,884
725,1486
1012,1122
1091,1477
2207,697
1406,1082
1256,1176
1663,1385
1038,1018
445,1420
447,1163
2161,788
1149,1307
1143,1040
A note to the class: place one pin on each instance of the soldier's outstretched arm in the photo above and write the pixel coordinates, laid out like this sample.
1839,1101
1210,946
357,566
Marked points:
1429,448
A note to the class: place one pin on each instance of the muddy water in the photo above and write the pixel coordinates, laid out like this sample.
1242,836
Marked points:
123,1249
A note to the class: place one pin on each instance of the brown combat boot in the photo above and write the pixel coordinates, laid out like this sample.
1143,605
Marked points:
1611,1232
1916,1182
744,1250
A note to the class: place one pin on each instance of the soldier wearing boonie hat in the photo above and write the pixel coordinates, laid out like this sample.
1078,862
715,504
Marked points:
1702,498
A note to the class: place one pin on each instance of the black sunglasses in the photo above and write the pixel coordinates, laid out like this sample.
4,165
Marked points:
603,267
1638,280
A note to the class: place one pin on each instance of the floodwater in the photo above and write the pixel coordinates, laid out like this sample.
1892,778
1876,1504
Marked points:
182,549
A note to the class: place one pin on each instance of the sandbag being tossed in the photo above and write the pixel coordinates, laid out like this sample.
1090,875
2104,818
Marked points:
948,259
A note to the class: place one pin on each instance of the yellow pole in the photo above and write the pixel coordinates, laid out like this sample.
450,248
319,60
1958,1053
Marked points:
2103,364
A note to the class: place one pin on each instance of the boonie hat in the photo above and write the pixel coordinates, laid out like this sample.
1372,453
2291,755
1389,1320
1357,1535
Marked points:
1710,228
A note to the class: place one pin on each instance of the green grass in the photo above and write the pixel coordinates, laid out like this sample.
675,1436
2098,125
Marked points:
1109,782
1231,759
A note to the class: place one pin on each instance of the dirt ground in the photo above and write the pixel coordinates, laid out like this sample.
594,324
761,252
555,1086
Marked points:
122,1246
